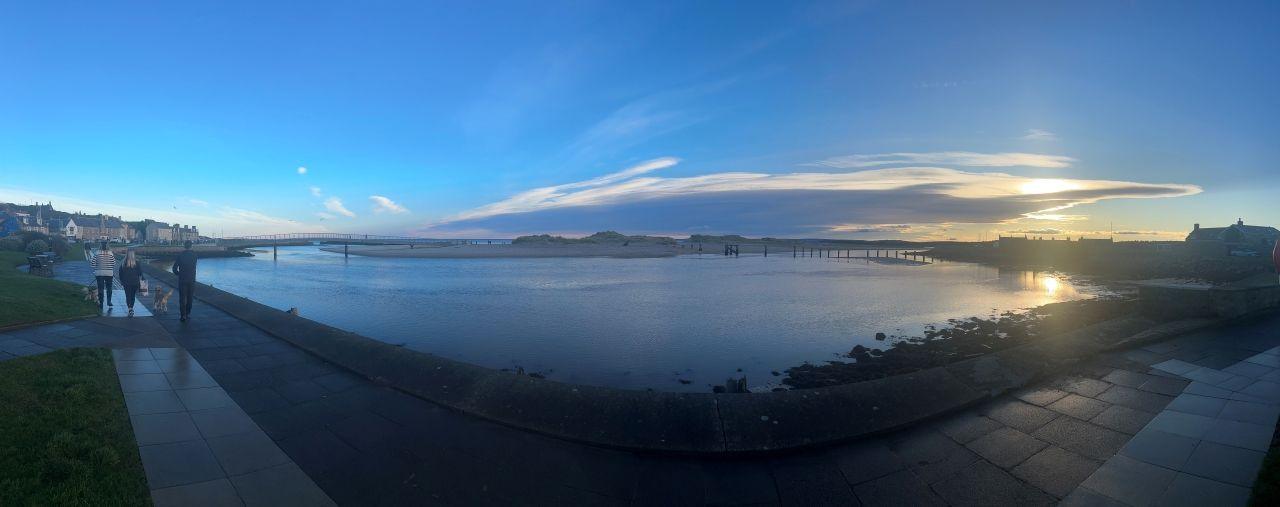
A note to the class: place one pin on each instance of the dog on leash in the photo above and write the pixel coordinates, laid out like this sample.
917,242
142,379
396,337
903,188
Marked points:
91,294
162,300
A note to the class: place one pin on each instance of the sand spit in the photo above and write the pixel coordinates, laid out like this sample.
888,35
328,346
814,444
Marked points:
511,251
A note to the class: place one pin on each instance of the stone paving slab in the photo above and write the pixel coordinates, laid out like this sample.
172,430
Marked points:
197,446
1204,448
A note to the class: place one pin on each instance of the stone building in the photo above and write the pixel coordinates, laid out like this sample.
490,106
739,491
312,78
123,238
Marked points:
1234,239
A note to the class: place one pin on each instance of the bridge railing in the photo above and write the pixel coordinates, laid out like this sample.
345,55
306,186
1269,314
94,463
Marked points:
333,236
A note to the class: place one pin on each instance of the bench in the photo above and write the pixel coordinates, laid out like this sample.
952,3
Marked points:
39,265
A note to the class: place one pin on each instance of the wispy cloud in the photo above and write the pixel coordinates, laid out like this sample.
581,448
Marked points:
1039,135
315,191
198,202
302,170
948,158
763,203
643,119
334,204
325,216
384,205
549,197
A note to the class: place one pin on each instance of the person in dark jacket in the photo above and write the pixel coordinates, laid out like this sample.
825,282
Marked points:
185,268
130,279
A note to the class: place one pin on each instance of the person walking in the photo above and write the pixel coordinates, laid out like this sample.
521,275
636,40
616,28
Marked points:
130,279
185,268
104,268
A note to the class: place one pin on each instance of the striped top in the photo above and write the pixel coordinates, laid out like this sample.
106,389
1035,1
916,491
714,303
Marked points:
103,264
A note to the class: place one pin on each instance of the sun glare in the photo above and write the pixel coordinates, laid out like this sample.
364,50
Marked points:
1050,285
1047,186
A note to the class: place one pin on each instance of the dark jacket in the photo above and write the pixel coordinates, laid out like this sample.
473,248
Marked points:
130,277
185,266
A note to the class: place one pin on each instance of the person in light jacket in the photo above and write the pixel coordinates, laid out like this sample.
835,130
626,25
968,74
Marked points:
104,269
130,279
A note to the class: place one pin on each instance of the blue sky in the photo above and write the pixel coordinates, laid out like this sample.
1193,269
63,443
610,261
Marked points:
848,119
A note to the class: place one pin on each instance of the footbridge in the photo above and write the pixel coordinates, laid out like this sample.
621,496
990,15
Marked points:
307,238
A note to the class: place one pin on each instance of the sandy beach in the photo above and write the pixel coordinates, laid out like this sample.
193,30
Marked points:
510,251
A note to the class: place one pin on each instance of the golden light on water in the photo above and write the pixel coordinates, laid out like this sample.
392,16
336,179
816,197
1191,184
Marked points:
1047,186
1050,285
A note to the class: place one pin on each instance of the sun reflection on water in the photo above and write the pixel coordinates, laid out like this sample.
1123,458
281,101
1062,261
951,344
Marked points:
1050,285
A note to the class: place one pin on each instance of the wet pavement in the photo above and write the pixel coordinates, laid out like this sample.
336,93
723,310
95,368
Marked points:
369,444
1182,421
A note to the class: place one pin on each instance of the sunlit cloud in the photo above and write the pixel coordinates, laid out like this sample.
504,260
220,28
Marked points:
948,158
794,203
302,170
334,204
325,216
1047,186
384,205
548,197
1039,135
878,228
315,191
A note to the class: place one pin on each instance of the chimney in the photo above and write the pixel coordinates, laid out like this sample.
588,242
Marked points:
1195,227
1239,221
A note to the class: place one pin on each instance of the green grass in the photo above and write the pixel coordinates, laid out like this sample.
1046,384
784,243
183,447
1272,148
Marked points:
66,433
26,298
75,253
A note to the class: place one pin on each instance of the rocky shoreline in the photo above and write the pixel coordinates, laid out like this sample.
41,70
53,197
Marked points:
960,339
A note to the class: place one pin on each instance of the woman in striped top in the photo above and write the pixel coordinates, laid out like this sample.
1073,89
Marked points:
104,269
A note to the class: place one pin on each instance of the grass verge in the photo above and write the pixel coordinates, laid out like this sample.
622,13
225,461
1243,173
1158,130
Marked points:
67,437
26,298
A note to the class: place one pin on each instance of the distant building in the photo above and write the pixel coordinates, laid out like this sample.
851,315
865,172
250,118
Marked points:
181,233
158,232
93,228
1236,238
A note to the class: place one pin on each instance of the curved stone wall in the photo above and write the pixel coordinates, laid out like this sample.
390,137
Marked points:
683,423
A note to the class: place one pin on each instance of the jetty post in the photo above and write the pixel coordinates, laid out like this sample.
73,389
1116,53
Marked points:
766,250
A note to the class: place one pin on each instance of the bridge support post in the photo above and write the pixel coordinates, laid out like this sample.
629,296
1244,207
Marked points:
345,252
275,251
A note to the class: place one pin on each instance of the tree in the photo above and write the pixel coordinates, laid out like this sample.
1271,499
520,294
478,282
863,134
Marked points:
60,245
37,247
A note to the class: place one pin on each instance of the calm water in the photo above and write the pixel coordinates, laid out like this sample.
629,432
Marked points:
632,323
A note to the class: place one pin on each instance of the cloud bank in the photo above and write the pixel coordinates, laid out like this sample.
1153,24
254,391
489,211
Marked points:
796,203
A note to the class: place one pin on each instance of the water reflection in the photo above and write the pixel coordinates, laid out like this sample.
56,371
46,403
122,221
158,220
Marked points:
634,323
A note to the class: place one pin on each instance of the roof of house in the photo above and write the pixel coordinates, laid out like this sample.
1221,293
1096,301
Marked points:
98,221
1248,232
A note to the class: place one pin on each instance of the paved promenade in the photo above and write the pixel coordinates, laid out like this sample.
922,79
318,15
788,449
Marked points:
368,444
1185,421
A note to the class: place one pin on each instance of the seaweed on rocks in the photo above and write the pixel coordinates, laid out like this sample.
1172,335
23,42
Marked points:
959,339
